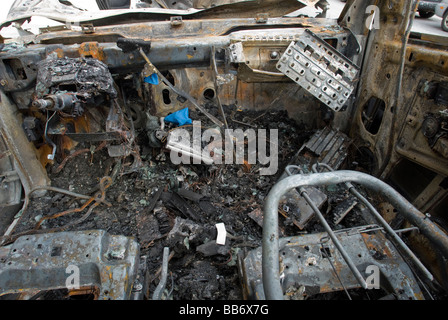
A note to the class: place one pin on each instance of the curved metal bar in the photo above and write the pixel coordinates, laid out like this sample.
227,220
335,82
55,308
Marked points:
330,232
270,244
382,222
157,295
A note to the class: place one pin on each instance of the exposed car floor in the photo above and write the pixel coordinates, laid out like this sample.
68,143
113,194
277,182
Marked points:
177,206
222,190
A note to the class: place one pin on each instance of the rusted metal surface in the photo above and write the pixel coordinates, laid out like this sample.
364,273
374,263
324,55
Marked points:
28,168
270,235
11,187
302,263
63,13
412,142
401,125
45,262
157,30
297,209
91,49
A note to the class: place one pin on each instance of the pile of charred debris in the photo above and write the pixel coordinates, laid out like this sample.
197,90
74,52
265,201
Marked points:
163,205
137,225
167,205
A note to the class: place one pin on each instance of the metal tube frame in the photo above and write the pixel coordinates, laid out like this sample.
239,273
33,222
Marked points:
330,232
157,295
270,242
383,223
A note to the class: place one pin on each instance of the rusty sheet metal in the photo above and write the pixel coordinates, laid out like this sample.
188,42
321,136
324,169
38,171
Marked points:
58,12
91,49
28,167
251,8
303,263
297,209
187,49
160,30
418,55
40,263
11,188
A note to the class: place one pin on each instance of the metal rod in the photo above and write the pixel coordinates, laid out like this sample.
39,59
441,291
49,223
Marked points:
333,267
215,80
335,240
157,295
331,234
180,92
270,242
53,145
373,227
406,230
383,223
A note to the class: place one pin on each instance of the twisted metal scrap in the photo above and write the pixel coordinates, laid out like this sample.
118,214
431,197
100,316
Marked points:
98,198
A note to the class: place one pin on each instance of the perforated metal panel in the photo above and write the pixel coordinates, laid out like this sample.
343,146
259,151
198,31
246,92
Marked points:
320,69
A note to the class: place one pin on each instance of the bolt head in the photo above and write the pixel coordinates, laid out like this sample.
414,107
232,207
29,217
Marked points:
274,55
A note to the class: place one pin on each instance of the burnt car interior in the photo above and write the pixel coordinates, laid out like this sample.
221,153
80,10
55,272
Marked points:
360,105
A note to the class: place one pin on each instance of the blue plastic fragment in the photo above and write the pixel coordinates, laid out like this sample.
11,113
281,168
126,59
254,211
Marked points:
179,117
152,79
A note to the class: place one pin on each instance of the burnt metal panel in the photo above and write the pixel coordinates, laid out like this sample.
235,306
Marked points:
41,262
320,69
304,264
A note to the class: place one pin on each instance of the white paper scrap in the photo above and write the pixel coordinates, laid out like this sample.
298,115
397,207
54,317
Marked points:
222,234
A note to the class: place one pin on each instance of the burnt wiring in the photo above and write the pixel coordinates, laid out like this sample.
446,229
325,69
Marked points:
97,199
53,145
